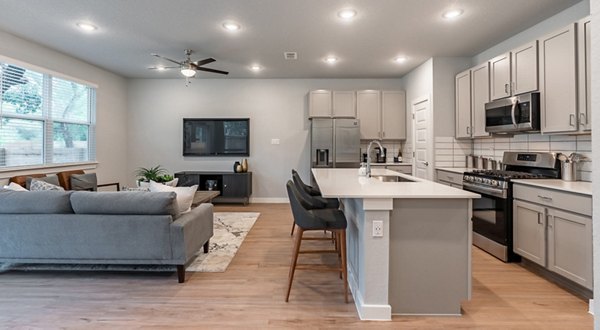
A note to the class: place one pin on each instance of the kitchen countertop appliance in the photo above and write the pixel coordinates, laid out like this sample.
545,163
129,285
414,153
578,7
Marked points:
335,143
492,214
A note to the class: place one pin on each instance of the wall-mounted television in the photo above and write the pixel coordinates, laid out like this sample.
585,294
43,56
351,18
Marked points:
216,137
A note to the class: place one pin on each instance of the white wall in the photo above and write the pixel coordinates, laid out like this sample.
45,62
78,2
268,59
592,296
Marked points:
277,108
111,101
595,60
418,83
555,22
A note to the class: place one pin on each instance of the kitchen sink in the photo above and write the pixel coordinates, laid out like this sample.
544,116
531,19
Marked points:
392,178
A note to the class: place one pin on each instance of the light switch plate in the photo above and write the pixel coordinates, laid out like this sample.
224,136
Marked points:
274,141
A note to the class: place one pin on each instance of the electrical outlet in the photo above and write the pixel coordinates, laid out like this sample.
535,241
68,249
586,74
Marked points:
377,228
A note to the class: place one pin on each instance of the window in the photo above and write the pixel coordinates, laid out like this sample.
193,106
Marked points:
44,119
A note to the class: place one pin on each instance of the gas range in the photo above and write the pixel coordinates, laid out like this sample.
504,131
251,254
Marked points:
492,213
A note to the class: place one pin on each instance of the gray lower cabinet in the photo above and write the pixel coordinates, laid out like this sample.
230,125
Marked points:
448,178
554,238
234,187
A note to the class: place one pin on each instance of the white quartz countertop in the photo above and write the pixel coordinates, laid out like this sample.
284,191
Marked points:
459,170
578,187
346,183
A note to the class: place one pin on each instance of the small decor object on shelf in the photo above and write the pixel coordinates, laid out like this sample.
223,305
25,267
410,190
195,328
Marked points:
238,168
211,184
235,167
245,165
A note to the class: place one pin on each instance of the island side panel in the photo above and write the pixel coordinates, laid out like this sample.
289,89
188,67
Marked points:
368,256
430,256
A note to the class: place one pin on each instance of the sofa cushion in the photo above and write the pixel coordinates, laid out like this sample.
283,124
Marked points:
124,203
52,179
86,181
35,202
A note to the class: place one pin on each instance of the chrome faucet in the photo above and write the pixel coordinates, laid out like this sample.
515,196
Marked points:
369,155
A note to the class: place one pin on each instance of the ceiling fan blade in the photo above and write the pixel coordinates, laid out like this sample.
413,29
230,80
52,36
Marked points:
166,58
211,70
163,67
204,61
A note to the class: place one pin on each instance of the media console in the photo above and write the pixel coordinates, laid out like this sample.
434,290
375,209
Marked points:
234,187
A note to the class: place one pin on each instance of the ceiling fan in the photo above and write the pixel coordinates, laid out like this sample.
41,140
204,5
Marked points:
188,68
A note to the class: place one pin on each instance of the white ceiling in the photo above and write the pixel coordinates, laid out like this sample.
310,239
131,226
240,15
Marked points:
129,30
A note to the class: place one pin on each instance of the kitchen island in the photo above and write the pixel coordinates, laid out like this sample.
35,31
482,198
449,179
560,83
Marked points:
420,262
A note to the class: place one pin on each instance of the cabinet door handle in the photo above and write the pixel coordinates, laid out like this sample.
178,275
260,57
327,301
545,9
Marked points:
571,120
550,222
506,88
546,198
468,130
582,119
540,222
383,133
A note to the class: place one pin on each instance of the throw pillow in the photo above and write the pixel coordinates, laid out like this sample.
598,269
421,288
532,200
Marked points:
15,187
52,179
172,183
185,195
134,189
36,185
87,181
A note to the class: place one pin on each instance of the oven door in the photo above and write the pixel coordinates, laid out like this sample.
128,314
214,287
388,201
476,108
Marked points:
492,216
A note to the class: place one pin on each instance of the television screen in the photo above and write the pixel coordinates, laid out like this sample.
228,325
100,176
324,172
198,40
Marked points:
216,137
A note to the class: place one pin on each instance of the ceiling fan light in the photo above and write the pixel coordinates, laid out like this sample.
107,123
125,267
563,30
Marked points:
188,72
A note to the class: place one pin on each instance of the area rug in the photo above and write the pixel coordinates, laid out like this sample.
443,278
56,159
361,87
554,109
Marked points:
230,229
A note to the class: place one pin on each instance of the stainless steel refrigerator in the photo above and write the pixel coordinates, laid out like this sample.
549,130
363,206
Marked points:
335,143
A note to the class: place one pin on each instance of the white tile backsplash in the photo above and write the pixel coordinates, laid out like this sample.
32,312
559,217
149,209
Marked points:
567,144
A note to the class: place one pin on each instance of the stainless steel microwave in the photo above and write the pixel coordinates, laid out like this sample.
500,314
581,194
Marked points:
519,113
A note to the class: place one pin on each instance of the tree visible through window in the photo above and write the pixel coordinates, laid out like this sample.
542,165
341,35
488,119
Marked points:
44,119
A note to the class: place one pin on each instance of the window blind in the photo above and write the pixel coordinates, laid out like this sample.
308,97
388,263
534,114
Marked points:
44,119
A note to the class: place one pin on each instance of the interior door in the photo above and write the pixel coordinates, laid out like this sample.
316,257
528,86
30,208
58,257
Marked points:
422,139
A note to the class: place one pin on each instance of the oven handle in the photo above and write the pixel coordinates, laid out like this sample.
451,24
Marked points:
484,190
512,111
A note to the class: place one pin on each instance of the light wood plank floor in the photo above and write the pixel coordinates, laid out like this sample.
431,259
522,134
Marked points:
250,294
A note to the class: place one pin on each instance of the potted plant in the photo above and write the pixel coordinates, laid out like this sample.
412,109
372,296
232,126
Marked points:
156,174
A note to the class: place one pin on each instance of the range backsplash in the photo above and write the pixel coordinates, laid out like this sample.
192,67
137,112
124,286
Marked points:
450,152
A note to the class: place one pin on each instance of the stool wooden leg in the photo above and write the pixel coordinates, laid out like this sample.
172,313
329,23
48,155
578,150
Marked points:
293,227
297,241
344,265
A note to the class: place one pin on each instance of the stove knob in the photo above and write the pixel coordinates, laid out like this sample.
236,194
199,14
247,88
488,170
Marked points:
468,178
495,183
478,180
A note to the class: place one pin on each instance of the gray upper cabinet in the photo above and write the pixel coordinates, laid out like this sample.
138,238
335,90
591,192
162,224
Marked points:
558,81
382,114
584,66
515,72
480,95
393,115
524,69
463,105
319,103
328,104
368,108
500,76
344,104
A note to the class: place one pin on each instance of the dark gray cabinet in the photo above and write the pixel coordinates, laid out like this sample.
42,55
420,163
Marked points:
234,187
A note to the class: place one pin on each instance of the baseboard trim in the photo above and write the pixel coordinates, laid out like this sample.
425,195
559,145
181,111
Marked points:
268,200
367,311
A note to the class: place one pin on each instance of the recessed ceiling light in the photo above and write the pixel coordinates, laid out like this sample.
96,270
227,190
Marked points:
231,26
454,13
400,59
255,67
346,13
88,27
331,59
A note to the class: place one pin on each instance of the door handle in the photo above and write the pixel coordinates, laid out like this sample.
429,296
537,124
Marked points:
582,119
571,119
545,198
425,163
468,130
512,112
540,222
506,88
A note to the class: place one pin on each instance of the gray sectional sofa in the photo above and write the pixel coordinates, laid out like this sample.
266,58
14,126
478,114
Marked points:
101,228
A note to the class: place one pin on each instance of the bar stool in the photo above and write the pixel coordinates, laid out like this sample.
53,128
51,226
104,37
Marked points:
311,197
316,219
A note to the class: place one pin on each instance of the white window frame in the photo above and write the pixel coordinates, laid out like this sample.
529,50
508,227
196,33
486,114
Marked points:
48,165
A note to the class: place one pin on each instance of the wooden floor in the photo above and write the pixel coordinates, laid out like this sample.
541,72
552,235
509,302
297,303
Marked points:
250,294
